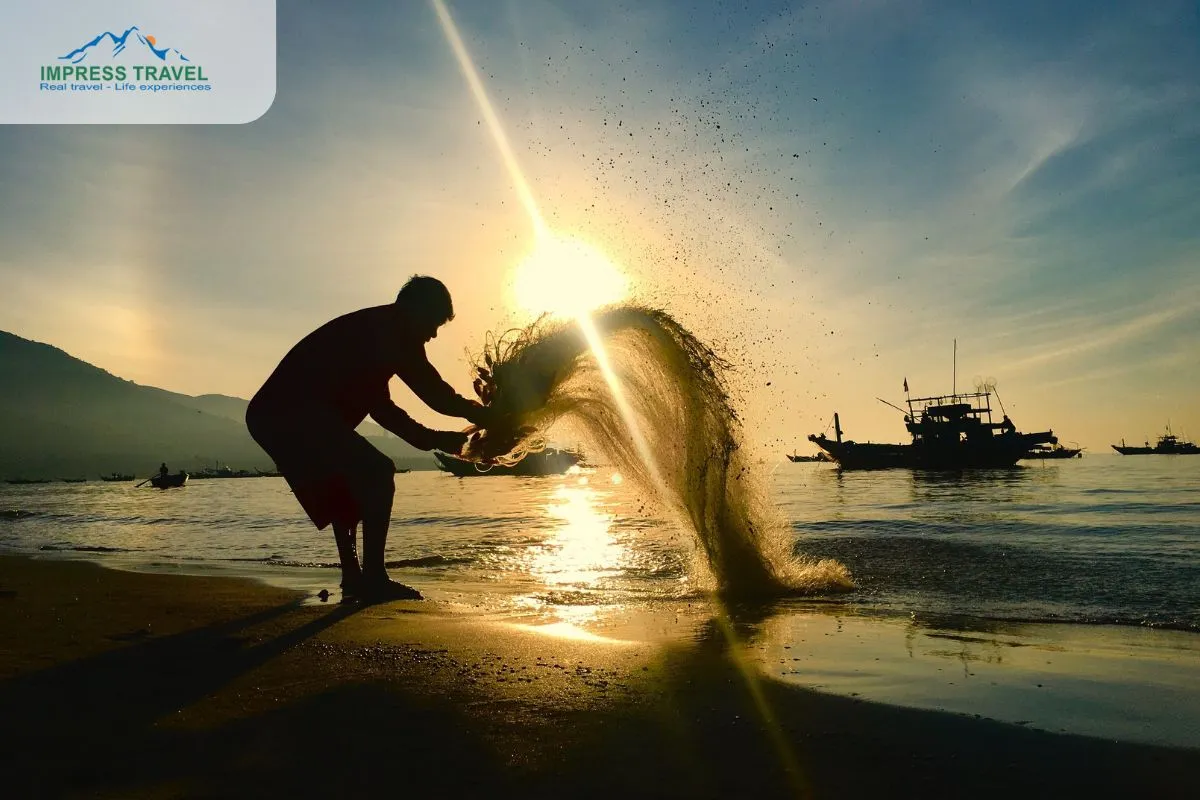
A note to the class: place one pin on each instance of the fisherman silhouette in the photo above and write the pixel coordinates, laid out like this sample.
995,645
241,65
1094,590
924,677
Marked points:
162,469
306,413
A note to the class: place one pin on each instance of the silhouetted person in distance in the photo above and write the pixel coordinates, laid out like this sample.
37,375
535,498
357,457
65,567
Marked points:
162,469
304,416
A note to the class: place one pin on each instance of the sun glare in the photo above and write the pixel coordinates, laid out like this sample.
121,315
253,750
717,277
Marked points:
567,277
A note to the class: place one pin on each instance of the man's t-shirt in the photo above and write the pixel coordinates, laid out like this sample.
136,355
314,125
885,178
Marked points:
345,365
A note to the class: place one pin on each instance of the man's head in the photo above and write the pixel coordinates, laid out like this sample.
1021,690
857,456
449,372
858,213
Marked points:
425,305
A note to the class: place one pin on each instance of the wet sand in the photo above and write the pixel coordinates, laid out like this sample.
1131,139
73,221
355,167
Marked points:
117,684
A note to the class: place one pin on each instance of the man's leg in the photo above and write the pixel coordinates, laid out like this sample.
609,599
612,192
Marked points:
375,490
377,516
345,536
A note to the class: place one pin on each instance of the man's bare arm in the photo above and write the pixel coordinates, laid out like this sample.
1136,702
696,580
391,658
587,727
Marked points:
393,418
427,384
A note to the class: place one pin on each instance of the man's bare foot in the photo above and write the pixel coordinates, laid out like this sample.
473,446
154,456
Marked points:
352,586
383,590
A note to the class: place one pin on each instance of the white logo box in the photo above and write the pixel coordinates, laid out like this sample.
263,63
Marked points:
136,62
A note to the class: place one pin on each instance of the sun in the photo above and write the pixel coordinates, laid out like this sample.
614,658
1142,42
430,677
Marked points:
567,277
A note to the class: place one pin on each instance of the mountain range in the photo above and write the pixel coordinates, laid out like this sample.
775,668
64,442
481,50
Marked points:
63,417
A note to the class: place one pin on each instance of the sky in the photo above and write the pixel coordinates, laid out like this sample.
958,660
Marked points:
838,196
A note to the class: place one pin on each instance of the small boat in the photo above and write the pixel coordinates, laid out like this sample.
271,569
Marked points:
798,458
949,432
73,480
544,462
1167,445
116,476
209,473
168,481
1056,451
25,481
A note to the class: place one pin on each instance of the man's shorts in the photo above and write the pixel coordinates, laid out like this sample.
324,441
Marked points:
324,461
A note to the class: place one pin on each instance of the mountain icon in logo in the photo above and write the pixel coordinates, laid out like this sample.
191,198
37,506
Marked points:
132,45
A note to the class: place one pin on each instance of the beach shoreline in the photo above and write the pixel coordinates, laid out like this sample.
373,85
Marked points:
1119,682
118,683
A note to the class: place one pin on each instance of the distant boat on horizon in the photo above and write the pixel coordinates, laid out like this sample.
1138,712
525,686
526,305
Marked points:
1057,451
210,473
1167,445
793,457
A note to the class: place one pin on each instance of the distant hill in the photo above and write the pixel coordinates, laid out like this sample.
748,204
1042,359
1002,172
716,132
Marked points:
62,417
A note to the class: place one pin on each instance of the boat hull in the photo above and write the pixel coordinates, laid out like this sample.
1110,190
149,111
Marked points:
547,462
999,451
169,481
1062,452
1154,451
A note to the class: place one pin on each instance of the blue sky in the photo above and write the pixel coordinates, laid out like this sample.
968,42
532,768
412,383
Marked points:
831,193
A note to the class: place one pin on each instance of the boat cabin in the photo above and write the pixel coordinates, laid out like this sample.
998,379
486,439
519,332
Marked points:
954,417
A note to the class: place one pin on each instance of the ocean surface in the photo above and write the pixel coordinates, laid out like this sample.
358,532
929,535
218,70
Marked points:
1099,540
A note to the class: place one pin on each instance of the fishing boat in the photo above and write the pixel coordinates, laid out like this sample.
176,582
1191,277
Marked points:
1056,451
949,432
25,481
550,461
209,473
168,481
793,457
116,476
1167,445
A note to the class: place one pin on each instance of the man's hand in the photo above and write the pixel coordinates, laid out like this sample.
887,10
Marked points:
448,441
485,417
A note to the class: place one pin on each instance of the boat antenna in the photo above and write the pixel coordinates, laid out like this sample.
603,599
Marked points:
954,372
996,391
886,403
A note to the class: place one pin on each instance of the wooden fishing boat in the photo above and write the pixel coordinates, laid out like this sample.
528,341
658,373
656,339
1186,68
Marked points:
169,481
545,462
1056,451
1167,445
949,432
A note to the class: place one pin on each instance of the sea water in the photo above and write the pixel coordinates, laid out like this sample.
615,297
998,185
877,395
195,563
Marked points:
1098,540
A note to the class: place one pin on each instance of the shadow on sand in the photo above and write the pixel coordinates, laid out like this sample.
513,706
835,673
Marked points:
102,725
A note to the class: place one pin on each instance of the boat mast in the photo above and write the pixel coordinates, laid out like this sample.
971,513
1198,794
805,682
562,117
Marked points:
954,373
